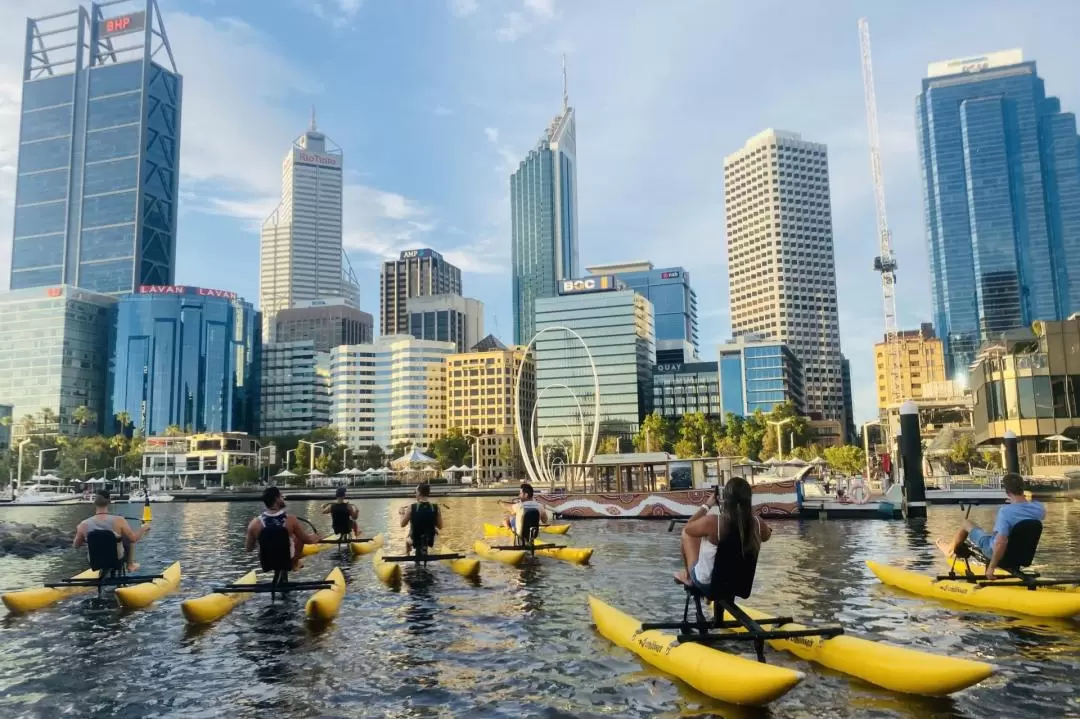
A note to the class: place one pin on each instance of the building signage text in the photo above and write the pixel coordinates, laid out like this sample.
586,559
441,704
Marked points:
600,283
414,254
669,367
670,275
122,24
314,158
184,290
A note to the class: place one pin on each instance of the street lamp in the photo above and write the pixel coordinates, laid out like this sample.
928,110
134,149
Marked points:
313,445
475,456
18,479
259,455
41,457
345,457
779,435
288,462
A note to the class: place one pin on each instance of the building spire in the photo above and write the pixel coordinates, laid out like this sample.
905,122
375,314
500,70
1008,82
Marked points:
312,129
565,92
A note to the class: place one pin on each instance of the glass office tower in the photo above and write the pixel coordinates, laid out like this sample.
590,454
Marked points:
758,373
185,356
1001,179
99,149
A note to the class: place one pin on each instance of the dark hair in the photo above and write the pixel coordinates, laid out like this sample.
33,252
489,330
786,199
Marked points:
423,489
527,489
1013,483
339,492
102,498
270,496
739,512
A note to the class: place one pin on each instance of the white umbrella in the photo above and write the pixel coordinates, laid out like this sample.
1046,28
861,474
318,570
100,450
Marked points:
796,462
317,473
285,473
1059,438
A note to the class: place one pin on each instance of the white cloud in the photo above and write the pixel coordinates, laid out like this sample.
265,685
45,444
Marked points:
543,8
463,8
339,13
441,111
514,27
510,160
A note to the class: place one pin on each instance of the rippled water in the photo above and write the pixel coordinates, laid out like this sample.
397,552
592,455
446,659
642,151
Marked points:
518,645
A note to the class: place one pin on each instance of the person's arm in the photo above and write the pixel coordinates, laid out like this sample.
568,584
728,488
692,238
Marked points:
766,530
1000,542
438,518
406,516
301,535
353,512
325,509
121,527
252,537
700,522
80,536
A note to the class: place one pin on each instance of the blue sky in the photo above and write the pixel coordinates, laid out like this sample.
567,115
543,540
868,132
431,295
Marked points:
434,102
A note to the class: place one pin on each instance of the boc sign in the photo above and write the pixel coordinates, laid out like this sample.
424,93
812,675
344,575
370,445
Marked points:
601,283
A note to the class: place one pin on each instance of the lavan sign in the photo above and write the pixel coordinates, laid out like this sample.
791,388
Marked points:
185,290
600,283
313,158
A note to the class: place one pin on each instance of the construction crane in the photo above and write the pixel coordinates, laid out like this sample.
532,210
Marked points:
885,262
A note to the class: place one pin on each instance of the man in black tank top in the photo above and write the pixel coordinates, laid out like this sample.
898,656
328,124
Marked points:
423,520
342,515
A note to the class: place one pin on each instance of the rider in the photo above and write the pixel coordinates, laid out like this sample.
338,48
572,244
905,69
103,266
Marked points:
275,525
993,544
732,531
102,520
524,502
423,519
342,515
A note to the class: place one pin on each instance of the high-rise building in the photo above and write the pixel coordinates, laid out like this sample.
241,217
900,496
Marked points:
328,323
99,152
781,271
6,420
674,302
410,390
446,318
680,388
922,364
416,273
352,388
480,402
543,219
301,256
851,434
295,389
184,356
1001,178
617,325
759,373
54,350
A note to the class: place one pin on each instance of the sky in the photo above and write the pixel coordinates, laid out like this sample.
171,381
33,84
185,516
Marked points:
435,102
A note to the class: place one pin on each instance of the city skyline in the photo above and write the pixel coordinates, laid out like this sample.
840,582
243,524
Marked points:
394,186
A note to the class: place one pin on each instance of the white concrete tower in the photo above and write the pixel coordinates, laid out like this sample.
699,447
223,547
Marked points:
781,271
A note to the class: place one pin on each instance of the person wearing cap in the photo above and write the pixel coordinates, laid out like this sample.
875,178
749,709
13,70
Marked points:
342,515
275,530
103,521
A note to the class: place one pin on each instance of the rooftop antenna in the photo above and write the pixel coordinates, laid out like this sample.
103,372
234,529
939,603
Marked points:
565,92
312,118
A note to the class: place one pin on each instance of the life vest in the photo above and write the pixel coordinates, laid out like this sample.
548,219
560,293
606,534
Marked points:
422,517
275,543
341,518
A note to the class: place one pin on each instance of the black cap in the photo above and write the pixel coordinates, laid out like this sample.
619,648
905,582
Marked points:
340,492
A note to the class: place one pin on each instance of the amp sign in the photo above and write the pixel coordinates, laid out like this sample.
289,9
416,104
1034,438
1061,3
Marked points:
600,283
417,254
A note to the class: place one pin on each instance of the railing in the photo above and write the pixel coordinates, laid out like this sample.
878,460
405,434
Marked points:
947,482
1056,459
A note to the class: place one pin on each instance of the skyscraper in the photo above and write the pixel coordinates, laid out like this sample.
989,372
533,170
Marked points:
543,217
674,302
447,318
300,244
99,152
1001,180
416,273
781,271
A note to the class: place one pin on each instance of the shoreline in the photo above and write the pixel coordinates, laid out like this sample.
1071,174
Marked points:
297,494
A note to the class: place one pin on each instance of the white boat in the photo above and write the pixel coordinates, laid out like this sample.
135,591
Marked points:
46,490
140,497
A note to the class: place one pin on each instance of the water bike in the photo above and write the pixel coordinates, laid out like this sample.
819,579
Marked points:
322,606
388,567
525,543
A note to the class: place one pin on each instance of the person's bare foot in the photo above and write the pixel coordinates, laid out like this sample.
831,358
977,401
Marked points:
133,567
682,577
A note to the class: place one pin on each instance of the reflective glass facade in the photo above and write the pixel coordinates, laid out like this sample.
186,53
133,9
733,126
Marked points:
295,391
1001,177
185,359
617,326
96,187
447,318
54,349
543,221
674,304
757,374
680,388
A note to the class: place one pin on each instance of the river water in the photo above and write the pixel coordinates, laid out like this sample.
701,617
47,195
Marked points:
518,645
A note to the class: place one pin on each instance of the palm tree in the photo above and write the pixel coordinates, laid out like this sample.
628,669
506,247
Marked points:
29,424
124,419
83,416
48,417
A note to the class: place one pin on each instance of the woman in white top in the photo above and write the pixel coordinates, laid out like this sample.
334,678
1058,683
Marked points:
711,525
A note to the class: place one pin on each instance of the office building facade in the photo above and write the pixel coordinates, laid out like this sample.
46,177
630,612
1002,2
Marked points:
328,323
295,389
301,257
1001,185
410,391
674,302
480,402
54,349
99,152
758,373
6,420
352,389
850,432
446,318
416,273
617,326
544,220
921,361
781,271
680,388
185,356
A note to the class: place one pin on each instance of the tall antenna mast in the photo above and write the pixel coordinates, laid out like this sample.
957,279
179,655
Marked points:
312,118
565,91
885,262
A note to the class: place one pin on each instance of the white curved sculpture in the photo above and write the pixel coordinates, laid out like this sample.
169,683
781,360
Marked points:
538,442
534,465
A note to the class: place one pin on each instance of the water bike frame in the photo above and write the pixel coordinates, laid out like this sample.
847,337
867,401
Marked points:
117,578
280,584
421,556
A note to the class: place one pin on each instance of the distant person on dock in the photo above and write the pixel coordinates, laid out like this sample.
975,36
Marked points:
993,544
272,530
423,519
342,515
102,520
523,503
729,532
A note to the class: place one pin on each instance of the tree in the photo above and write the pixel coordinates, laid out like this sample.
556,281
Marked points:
752,435
28,425
124,420
608,444
991,459
962,452
83,416
48,417
240,475
807,454
848,459
693,428
508,456
452,449
655,434
374,457
797,427
400,449
727,447
174,430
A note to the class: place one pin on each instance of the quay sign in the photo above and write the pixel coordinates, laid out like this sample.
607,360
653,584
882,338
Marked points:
122,24
313,158
600,283
416,254
184,290
669,368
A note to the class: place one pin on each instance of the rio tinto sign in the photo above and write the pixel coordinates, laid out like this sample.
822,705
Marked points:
601,283
314,158
184,290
